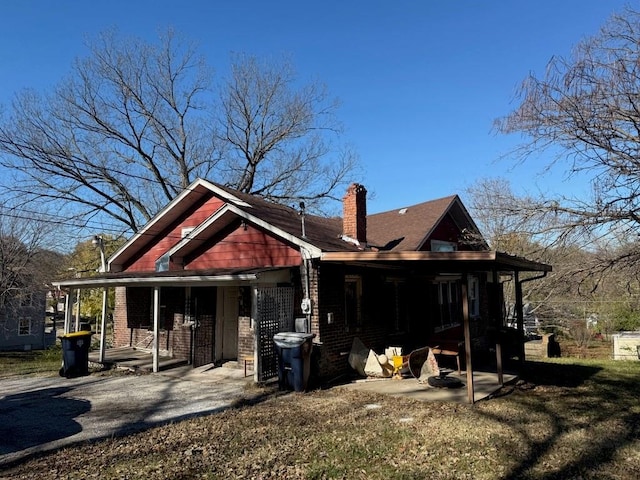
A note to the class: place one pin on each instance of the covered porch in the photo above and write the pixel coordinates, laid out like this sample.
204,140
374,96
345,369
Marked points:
133,359
153,283
477,338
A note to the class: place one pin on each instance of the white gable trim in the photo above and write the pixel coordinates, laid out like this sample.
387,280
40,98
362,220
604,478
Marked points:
148,228
314,251
223,193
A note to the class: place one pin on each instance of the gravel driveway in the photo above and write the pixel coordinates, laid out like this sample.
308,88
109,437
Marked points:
44,413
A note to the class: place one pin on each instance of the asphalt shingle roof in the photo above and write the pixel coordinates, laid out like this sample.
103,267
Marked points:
397,230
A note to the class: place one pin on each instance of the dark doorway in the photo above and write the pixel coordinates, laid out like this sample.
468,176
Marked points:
203,307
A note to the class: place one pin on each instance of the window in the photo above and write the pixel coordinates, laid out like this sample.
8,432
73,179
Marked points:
353,300
26,300
445,298
186,231
162,263
442,246
395,304
24,326
474,296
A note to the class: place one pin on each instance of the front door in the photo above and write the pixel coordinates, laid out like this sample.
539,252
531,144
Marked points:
203,305
227,323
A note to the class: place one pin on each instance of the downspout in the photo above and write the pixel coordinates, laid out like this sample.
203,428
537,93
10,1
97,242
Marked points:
306,261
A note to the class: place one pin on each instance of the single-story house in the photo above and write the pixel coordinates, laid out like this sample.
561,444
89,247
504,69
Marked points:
216,273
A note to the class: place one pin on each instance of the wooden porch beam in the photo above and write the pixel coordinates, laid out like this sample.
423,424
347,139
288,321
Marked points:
467,341
519,317
496,300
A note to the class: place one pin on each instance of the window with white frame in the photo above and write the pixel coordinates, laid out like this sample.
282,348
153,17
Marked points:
26,300
353,300
24,326
445,298
474,295
442,246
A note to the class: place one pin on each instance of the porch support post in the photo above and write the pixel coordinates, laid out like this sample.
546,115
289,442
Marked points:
467,340
498,324
103,324
520,317
156,329
78,310
257,357
67,312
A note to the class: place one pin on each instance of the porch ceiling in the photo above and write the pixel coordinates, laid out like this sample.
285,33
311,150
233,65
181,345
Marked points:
460,261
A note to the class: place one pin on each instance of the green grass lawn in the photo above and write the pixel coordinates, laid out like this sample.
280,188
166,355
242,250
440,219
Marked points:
565,419
41,362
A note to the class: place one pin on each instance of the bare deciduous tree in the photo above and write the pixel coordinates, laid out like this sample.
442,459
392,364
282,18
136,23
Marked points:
274,137
26,266
135,123
585,111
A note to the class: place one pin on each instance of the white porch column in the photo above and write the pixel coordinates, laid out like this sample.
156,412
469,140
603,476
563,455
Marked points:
257,358
103,324
78,310
156,329
67,312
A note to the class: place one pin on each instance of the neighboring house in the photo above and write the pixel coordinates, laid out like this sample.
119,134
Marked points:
23,326
215,274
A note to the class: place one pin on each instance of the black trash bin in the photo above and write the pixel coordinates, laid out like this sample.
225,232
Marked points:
294,359
75,353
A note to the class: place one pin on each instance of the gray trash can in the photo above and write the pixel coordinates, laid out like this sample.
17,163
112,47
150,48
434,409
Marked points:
294,359
75,353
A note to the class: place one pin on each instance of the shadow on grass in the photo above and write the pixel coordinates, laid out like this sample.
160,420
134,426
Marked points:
558,374
587,412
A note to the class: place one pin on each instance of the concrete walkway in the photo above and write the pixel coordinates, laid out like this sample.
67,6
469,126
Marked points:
485,384
44,413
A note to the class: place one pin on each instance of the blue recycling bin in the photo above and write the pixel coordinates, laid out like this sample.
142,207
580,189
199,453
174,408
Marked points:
294,359
75,353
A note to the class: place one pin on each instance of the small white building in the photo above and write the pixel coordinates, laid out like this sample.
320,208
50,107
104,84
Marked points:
626,346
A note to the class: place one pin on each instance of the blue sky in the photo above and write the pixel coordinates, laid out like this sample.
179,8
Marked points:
420,81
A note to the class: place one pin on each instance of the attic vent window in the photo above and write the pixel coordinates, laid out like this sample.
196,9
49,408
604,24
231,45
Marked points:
162,263
402,211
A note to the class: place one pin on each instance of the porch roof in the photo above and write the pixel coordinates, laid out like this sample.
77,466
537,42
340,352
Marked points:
459,261
178,277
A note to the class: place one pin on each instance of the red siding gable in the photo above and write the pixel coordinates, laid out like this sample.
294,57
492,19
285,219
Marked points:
245,248
446,231
145,261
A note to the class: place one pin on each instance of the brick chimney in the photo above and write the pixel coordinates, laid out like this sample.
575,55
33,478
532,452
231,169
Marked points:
354,216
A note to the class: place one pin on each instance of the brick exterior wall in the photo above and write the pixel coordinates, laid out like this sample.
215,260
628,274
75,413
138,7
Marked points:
377,330
246,339
133,322
336,338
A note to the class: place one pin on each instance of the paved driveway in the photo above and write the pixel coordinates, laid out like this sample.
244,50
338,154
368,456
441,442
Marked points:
44,413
